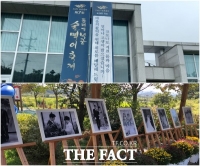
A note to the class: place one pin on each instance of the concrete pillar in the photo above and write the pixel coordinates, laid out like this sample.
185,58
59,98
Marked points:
137,53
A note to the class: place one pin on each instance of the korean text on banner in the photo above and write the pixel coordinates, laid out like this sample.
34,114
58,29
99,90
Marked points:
75,60
102,51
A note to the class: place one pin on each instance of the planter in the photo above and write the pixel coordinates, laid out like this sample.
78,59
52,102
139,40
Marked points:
171,164
186,161
194,158
181,163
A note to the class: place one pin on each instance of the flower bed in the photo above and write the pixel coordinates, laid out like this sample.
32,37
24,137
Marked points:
160,155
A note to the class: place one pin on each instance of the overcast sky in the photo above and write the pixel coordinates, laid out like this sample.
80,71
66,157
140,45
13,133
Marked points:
169,20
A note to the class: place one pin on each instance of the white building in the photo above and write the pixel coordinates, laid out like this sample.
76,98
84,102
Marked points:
33,38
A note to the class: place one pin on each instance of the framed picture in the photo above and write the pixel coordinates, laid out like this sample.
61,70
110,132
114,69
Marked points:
164,123
98,115
128,122
149,124
175,118
187,112
10,132
55,124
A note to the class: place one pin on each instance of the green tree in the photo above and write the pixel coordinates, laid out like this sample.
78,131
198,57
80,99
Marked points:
76,94
56,88
132,90
36,89
114,97
193,91
164,100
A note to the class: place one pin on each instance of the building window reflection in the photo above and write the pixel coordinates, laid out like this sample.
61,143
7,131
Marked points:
34,33
6,63
29,67
192,66
53,69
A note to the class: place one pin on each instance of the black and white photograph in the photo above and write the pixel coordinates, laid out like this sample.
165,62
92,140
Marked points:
127,122
148,120
175,118
164,123
56,124
187,112
98,115
10,132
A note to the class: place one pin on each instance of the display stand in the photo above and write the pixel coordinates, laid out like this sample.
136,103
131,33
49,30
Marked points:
167,136
94,143
193,130
132,138
52,147
95,93
20,152
178,132
151,138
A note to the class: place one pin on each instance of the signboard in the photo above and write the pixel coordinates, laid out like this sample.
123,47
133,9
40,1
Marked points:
102,53
75,60
17,93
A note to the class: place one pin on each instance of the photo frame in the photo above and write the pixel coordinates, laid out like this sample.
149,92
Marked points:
187,112
98,115
175,119
58,123
149,124
10,132
128,122
162,116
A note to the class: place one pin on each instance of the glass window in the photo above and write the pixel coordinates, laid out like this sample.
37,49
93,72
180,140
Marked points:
53,69
120,37
34,33
6,62
121,69
192,80
190,66
10,22
29,68
58,34
197,63
8,41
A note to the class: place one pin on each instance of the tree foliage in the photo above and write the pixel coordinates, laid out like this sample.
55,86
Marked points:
36,89
57,89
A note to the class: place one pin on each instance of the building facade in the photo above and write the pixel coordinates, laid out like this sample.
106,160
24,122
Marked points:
33,35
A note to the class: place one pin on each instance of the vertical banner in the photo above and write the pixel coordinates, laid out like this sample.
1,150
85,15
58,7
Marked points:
75,60
102,52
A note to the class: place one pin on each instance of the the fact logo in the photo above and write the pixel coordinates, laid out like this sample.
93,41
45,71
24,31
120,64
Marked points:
79,154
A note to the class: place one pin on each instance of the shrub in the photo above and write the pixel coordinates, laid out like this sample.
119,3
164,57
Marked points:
160,155
142,159
195,139
113,162
30,133
177,154
86,123
194,142
185,147
12,157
